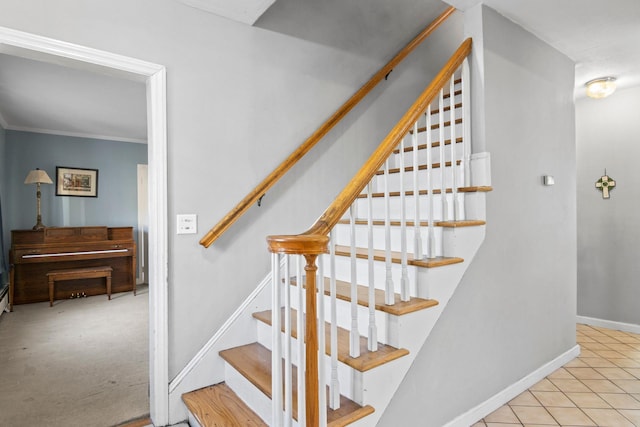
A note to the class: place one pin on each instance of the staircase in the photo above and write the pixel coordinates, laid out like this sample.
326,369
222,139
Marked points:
394,261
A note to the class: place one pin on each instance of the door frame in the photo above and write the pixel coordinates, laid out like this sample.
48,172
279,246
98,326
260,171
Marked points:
37,47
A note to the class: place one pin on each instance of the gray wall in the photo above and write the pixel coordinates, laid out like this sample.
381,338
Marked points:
608,234
240,99
515,307
116,204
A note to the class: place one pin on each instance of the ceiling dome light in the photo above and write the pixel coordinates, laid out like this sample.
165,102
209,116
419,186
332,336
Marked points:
601,87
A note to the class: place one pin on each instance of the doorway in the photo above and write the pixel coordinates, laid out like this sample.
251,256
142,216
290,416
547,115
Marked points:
154,75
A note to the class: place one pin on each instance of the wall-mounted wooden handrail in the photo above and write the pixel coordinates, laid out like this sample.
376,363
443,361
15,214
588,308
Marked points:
307,145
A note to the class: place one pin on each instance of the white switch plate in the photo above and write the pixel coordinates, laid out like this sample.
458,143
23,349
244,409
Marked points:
548,180
187,224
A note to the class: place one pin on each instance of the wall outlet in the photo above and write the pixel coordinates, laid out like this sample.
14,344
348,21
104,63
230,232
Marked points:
187,224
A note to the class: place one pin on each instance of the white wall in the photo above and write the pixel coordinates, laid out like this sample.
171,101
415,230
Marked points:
515,308
240,99
608,234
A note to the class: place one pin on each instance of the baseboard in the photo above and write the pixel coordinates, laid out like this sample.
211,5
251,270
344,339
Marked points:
619,326
499,399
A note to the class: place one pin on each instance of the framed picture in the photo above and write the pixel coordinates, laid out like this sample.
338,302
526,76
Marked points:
76,182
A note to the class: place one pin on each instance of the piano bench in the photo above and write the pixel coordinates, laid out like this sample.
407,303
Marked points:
79,273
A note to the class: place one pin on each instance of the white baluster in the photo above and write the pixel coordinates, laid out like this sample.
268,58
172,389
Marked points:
276,346
334,390
452,118
404,278
389,296
466,121
417,229
288,361
443,184
431,234
354,334
372,342
322,378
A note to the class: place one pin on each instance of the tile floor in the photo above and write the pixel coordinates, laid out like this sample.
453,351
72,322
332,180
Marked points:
599,388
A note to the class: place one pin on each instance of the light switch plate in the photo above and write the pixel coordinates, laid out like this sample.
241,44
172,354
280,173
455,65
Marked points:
548,180
187,224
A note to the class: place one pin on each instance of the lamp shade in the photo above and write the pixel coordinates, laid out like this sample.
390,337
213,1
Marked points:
38,176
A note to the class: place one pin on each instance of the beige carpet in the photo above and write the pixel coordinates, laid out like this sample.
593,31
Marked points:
83,362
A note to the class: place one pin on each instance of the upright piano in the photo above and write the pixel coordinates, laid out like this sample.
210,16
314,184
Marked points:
34,253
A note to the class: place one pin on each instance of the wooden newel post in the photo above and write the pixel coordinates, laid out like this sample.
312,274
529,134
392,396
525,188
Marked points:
309,246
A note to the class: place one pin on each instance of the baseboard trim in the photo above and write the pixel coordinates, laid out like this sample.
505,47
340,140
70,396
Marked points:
499,399
620,326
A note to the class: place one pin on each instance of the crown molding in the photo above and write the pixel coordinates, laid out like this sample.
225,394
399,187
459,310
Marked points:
74,134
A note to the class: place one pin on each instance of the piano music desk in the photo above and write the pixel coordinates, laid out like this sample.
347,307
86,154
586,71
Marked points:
79,273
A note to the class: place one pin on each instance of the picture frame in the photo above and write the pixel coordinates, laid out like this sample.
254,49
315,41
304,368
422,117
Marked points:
76,182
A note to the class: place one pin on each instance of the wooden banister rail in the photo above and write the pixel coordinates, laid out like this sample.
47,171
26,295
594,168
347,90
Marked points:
314,241
336,210
307,145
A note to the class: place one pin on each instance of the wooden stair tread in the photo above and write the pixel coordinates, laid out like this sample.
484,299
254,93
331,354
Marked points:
218,405
434,144
367,360
476,189
437,126
343,292
379,255
446,224
420,168
253,361
446,108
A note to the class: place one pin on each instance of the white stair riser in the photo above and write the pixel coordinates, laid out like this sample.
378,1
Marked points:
347,376
343,272
395,207
254,398
436,179
394,160
343,236
344,316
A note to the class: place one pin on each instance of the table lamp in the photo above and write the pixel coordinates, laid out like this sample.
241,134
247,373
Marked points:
38,177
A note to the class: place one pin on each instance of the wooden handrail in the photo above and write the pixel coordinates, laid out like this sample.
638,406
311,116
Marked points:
307,145
336,210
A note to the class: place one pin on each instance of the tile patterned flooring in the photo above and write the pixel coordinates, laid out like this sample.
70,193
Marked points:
599,388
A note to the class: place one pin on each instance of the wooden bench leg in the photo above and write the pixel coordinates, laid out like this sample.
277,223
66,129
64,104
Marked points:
51,290
108,279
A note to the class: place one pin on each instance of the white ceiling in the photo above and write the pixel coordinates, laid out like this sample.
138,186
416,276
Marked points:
601,37
47,97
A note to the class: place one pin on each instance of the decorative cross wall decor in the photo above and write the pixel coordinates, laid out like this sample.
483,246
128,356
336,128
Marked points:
605,184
